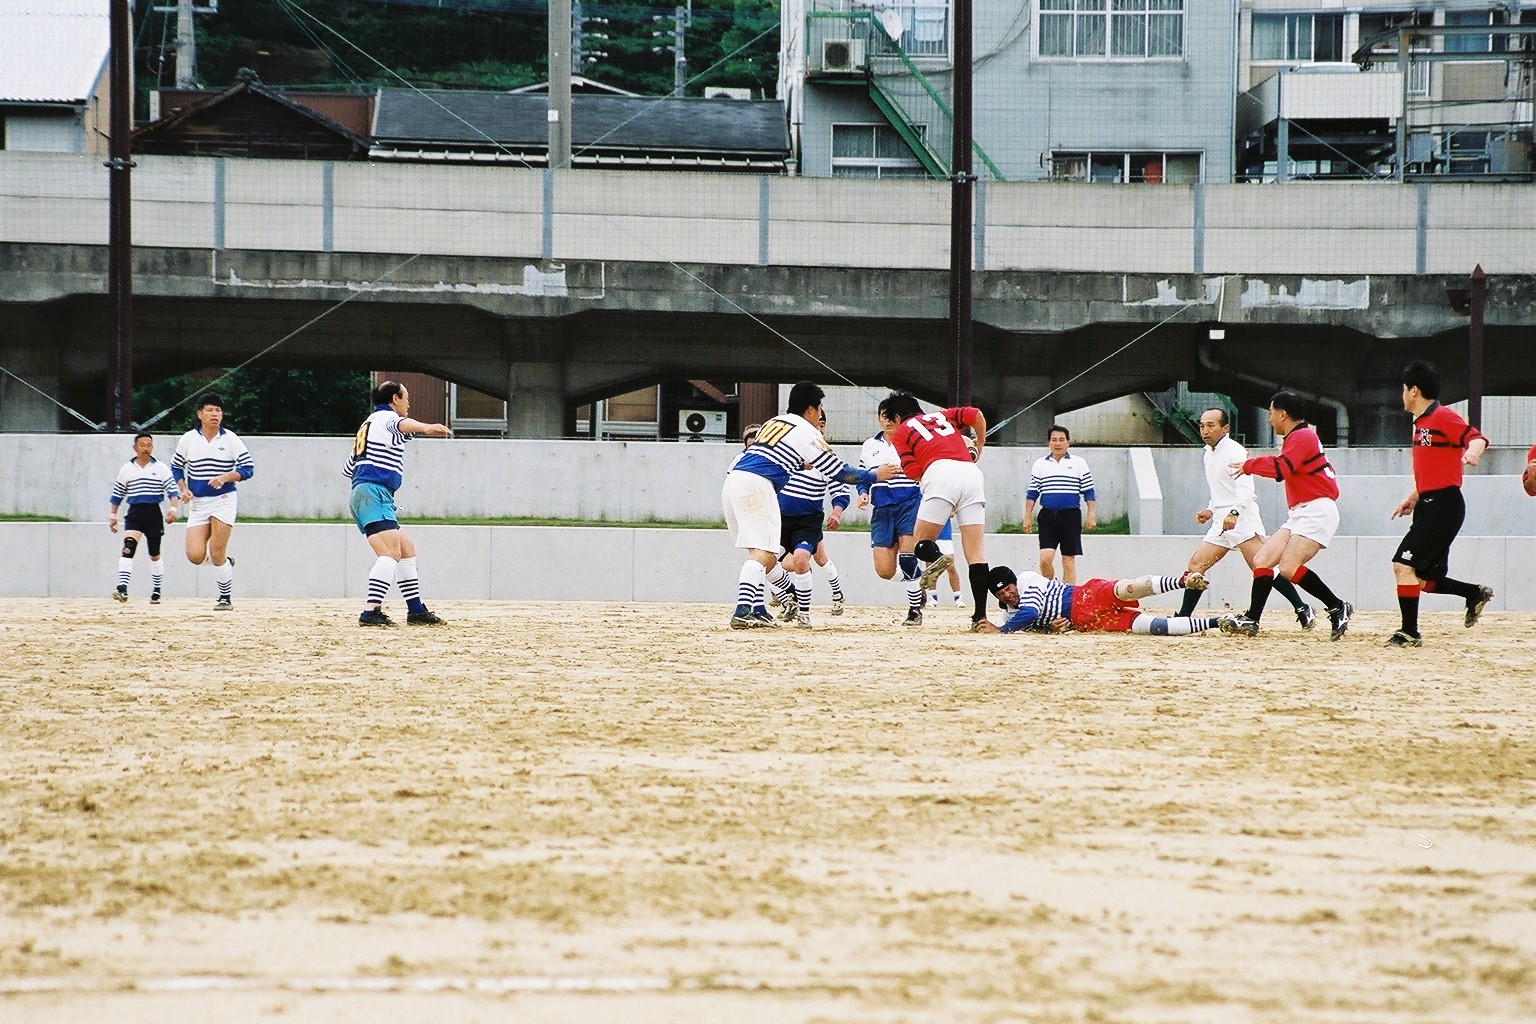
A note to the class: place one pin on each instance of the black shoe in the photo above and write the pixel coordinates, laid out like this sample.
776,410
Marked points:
1475,608
425,617
1339,619
1403,638
154,598
374,617
120,594
223,604
914,617
1306,616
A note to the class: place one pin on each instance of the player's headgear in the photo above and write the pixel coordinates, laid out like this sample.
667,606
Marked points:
804,395
1001,576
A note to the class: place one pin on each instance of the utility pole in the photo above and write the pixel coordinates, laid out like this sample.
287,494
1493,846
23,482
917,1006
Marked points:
186,46
559,85
1479,295
120,219
961,207
682,19
580,57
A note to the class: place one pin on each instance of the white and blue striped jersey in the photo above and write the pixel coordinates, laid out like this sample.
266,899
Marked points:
378,451
198,460
806,493
1058,483
788,443
1041,602
876,452
144,485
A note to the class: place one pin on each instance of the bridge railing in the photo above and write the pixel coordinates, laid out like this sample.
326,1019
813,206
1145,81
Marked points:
1351,229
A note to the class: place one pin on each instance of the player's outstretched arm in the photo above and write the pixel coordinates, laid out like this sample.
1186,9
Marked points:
410,426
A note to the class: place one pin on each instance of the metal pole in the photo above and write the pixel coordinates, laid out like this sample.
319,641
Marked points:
682,17
962,196
120,221
1403,43
1475,348
559,84
186,47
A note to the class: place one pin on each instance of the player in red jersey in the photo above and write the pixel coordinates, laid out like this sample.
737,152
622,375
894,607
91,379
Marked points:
1442,443
934,453
1311,492
1528,478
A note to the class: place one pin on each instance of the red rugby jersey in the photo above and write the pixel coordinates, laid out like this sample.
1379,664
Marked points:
1301,466
1440,435
923,440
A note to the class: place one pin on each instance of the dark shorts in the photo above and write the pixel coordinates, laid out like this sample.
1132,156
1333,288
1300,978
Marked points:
800,531
889,523
1437,519
1061,528
148,520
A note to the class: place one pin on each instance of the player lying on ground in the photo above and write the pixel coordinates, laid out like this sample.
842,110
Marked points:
1109,606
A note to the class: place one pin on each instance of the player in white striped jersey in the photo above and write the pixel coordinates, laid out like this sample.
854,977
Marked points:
1044,605
376,470
802,503
143,482
209,461
784,444
893,517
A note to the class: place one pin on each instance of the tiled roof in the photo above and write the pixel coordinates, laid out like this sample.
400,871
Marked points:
52,51
484,120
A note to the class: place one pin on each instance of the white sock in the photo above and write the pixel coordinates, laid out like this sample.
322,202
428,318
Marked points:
379,578
124,572
224,575
1172,625
803,591
749,585
157,571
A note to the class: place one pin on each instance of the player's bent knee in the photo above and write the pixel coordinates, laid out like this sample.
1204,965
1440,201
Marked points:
130,545
926,551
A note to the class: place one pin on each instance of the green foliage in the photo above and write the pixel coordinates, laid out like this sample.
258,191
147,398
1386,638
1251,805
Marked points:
260,400
1120,525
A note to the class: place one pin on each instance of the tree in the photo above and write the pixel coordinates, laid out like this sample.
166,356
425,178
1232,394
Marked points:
262,400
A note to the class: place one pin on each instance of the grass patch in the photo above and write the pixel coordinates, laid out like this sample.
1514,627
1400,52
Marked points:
30,517
1119,526
645,524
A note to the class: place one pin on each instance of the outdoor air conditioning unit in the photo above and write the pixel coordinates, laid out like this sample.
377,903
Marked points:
842,54
698,424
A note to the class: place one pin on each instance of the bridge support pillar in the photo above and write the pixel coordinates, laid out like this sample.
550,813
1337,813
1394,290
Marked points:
536,400
1003,396
22,408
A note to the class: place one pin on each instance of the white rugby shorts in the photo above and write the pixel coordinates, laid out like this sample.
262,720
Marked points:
951,487
220,506
751,510
1249,525
1317,520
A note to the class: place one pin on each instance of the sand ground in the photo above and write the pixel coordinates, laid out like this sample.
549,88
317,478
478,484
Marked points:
561,812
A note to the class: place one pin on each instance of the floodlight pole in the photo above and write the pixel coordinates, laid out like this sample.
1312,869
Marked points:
559,85
1479,295
961,207
120,220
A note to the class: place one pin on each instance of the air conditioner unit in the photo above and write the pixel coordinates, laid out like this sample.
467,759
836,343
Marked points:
842,55
697,424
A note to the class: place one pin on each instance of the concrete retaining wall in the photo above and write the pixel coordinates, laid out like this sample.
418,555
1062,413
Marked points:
71,475
624,565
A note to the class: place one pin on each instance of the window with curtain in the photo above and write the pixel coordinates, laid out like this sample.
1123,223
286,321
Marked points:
1300,37
1475,43
873,151
1111,29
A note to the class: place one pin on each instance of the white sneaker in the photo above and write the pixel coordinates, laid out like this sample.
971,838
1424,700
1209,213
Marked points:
933,598
837,606
958,600
802,621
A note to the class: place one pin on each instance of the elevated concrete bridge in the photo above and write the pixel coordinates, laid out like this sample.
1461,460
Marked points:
554,290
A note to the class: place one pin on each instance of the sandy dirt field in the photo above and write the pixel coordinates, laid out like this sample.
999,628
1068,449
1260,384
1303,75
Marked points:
558,812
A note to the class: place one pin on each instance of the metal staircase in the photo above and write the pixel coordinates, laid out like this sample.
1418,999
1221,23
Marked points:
851,47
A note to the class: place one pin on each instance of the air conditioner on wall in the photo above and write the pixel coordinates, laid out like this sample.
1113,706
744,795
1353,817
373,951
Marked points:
842,54
697,424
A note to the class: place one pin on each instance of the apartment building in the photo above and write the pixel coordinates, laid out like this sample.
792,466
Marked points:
1154,91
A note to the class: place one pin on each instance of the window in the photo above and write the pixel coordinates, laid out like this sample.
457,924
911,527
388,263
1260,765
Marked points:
924,26
1475,43
1115,168
1300,37
1111,29
873,151
1372,25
